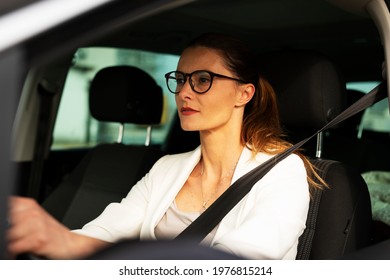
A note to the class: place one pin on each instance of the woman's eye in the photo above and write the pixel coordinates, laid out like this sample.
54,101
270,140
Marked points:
180,81
204,80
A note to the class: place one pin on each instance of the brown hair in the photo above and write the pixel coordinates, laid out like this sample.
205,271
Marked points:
261,131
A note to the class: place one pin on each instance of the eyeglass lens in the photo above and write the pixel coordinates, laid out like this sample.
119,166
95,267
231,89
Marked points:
200,81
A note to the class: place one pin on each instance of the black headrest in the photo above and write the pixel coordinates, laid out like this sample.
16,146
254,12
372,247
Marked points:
125,94
309,87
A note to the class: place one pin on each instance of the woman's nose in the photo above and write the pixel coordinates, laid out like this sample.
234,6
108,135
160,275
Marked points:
186,91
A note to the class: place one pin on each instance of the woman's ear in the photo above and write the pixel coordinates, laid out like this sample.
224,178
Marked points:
245,95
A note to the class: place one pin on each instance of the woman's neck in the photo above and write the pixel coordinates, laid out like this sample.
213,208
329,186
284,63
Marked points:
220,154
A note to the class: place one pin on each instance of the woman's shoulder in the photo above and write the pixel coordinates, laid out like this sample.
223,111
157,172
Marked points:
290,171
293,163
261,157
250,160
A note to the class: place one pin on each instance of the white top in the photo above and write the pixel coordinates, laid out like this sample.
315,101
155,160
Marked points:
265,224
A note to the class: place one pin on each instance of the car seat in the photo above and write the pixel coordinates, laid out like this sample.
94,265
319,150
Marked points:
310,92
120,94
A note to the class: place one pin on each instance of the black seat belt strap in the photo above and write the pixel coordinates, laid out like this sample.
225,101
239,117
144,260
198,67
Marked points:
210,218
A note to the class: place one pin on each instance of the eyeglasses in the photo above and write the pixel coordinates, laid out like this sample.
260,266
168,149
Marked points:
200,80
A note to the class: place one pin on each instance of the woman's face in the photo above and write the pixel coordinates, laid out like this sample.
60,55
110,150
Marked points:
215,109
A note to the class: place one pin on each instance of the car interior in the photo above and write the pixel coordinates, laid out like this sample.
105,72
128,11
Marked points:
93,113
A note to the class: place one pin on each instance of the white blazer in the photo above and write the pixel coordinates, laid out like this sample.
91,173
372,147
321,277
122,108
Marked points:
265,224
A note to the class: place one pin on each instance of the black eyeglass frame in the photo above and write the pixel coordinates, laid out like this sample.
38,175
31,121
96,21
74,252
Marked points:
189,75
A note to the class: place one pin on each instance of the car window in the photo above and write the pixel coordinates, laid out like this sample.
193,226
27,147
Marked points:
375,118
75,127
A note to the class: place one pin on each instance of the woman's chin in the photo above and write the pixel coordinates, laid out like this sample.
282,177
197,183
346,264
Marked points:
189,128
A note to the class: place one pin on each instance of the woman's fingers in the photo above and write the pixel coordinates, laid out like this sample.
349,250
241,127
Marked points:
32,229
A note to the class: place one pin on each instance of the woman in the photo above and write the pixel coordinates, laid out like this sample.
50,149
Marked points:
219,93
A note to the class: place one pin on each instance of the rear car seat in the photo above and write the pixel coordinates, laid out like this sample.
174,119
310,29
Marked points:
121,94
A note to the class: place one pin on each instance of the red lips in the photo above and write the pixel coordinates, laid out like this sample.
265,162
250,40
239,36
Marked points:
188,111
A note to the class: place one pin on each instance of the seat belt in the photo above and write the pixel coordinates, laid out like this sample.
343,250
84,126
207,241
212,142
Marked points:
210,218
